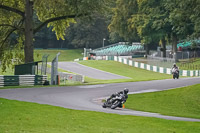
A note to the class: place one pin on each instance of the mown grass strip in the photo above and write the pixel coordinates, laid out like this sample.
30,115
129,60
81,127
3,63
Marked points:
65,55
26,117
183,102
191,64
136,74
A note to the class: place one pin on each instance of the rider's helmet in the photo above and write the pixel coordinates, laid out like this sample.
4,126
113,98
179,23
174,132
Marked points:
113,95
174,65
126,91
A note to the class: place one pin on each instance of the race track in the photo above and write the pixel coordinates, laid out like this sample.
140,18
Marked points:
88,97
88,71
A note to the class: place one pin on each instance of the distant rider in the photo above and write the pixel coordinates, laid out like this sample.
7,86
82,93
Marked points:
175,68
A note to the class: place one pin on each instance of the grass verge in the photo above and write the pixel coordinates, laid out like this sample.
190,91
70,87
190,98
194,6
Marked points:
27,117
135,74
65,55
184,102
191,64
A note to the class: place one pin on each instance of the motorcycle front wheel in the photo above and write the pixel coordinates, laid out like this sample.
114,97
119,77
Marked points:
104,105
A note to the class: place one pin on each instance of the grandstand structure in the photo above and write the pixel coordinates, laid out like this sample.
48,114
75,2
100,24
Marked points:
188,44
119,49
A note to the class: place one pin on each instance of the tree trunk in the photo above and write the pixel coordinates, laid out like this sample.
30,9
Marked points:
147,49
174,45
164,47
28,46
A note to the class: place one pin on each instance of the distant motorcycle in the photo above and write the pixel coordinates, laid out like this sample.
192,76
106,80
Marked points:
116,100
175,73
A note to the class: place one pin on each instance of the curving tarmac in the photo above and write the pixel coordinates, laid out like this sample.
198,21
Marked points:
88,97
88,71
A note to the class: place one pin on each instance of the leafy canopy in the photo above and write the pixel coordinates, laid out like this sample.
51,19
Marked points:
57,14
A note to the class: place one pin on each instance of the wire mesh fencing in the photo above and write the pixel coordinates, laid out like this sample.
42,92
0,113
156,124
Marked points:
160,61
188,66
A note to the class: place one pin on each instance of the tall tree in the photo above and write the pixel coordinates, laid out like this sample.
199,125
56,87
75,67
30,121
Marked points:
157,20
119,24
180,14
84,34
17,18
142,22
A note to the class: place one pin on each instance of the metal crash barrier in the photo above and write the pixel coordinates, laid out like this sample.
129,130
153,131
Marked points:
22,80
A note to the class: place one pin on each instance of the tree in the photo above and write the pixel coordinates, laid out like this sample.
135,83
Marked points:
157,20
84,34
133,20
47,39
17,18
142,21
119,24
181,13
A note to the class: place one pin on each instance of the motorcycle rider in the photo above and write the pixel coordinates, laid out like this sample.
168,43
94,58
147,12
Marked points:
125,92
174,69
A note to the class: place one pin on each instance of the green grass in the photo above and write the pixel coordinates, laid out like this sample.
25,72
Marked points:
17,117
65,55
183,102
135,74
192,64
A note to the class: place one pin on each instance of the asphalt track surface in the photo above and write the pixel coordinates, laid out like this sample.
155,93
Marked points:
89,97
88,71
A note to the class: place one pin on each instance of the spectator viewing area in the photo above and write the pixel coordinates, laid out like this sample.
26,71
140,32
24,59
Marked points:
121,48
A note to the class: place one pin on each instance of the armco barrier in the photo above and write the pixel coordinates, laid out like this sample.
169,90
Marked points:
189,73
75,78
71,77
40,79
22,80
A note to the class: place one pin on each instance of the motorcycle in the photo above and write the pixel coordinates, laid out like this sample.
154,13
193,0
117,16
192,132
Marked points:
175,73
116,100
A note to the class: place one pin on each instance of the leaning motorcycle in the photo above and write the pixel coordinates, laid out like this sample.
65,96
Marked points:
116,100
